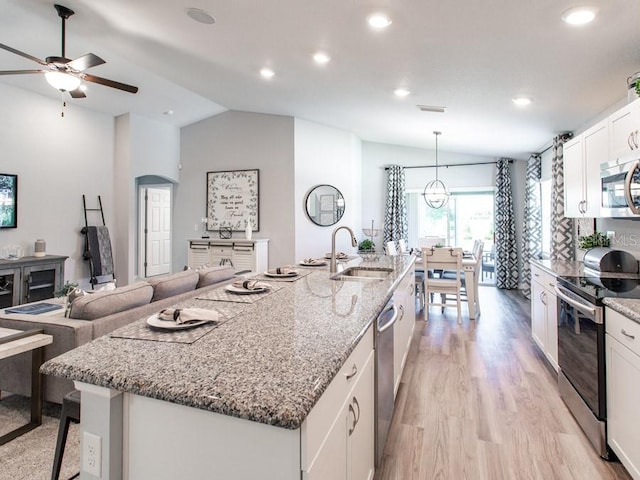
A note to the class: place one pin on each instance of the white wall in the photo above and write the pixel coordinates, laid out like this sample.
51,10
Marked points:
239,141
143,147
57,161
326,155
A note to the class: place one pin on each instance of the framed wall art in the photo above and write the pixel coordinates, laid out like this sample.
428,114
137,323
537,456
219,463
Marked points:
233,200
8,200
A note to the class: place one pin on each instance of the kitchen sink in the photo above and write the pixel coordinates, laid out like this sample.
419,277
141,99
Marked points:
363,274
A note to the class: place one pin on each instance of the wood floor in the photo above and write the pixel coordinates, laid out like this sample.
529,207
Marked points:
477,401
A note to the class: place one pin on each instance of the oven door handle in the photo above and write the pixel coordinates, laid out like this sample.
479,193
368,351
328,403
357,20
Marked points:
592,312
627,188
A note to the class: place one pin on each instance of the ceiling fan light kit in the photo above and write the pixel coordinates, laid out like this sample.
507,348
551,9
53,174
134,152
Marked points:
435,192
64,74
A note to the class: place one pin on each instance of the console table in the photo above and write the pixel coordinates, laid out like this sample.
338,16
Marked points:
30,279
14,342
241,254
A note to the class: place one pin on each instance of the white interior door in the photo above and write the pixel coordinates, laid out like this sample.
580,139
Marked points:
157,254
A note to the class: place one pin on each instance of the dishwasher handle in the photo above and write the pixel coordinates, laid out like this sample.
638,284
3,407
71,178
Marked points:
390,323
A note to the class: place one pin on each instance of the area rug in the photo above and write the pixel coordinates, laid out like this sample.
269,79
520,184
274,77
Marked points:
30,456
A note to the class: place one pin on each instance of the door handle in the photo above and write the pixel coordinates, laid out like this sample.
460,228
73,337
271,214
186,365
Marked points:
355,402
627,188
354,371
630,141
353,426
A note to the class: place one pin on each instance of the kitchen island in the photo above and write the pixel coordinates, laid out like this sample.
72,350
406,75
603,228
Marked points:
253,398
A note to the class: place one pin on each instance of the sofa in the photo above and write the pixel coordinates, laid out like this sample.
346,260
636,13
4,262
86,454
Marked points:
96,314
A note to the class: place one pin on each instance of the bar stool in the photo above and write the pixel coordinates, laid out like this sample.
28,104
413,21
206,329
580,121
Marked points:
70,413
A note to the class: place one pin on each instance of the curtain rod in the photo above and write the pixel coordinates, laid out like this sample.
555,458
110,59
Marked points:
452,165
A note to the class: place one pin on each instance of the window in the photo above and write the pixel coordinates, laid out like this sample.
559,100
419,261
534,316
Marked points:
467,216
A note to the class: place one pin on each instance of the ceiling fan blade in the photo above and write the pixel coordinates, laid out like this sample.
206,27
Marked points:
22,54
20,72
85,62
109,83
77,93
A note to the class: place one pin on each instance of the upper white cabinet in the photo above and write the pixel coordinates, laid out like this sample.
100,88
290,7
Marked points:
624,126
582,158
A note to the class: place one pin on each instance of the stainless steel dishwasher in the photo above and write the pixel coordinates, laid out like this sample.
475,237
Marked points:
384,376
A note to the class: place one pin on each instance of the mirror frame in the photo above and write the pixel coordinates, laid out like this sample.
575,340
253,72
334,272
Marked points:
338,211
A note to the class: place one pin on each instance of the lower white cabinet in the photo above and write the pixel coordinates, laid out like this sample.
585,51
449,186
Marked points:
345,451
544,313
404,299
250,255
622,343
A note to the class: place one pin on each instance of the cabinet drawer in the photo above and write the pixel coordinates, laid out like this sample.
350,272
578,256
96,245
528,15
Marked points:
623,329
544,278
317,424
224,250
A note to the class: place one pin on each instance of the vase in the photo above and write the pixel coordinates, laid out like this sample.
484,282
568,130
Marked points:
248,231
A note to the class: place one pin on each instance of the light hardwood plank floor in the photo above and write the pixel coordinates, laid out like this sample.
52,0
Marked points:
478,401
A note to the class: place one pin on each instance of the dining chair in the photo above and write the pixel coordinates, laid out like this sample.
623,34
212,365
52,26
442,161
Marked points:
489,262
402,247
449,259
390,247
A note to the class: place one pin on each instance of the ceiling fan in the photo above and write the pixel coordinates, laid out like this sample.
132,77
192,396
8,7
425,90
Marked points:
64,74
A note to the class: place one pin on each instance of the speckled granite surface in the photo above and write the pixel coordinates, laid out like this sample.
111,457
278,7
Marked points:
561,267
270,362
628,307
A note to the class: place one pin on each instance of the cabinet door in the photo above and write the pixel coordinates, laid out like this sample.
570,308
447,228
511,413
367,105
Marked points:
623,128
331,462
10,287
623,415
573,182
551,342
198,255
595,148
538,314
360,447
404,298
40,282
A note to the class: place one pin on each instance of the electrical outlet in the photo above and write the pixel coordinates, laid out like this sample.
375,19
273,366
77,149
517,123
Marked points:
195,227
92,454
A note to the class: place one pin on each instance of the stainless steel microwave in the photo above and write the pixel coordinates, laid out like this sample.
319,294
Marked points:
620,181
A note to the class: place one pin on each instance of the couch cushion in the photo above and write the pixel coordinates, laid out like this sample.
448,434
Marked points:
100,304
211,275
174,284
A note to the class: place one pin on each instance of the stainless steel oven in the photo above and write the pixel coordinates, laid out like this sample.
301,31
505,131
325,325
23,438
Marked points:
581,361
620,181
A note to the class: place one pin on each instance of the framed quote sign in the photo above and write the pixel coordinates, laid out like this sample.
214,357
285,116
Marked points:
232,200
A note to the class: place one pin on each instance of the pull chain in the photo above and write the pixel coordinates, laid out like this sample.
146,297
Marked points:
64,103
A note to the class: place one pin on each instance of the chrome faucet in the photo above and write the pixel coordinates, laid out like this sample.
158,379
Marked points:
333,266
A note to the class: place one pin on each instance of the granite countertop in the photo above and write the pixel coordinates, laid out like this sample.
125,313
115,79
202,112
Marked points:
571,268
269,363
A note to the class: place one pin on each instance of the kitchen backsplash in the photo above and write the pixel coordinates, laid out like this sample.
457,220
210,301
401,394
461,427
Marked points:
626,234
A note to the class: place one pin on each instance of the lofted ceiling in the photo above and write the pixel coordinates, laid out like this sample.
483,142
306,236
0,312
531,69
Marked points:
472,57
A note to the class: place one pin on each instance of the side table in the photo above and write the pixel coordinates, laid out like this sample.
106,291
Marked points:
14,342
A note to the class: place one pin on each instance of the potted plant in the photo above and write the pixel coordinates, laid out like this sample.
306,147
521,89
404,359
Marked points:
366,246
596,239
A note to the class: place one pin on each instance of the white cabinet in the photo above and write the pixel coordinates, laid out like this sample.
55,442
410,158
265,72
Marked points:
544,313
622,342
624,126
250,255
582,157
338,435
404,298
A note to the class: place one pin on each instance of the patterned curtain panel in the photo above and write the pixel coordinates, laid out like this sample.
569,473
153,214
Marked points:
505,230
395,215
532,228
561,227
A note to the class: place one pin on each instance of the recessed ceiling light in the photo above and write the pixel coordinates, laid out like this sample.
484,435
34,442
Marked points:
401,92
200,16
379,20
321,58
579,15
522,101
267,72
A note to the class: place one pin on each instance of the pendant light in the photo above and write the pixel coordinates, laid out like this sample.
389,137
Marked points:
435,192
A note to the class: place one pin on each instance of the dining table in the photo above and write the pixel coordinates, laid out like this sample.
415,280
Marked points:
471,267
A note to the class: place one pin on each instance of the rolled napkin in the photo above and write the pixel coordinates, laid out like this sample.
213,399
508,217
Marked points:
339,255
286,270
251,284
313,261
188,315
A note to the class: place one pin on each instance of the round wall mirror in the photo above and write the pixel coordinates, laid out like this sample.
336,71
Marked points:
324,205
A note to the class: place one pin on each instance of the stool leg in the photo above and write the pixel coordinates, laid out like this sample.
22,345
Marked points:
63,430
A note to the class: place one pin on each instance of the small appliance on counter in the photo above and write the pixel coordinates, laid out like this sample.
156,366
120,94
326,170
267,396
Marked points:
605,259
